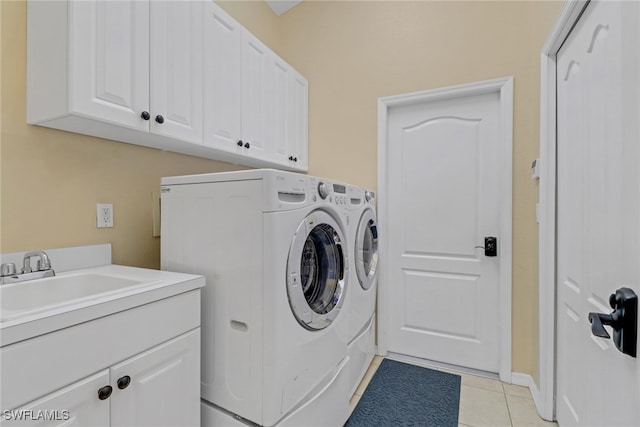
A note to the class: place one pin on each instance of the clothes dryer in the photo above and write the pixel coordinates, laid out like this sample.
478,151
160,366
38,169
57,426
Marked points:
361,300
274,249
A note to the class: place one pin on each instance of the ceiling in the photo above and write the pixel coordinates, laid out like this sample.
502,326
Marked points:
281,6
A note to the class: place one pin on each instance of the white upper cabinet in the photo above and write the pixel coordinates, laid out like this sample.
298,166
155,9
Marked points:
288,114
176,69
222,79
178,75
107,56
255,95
297,114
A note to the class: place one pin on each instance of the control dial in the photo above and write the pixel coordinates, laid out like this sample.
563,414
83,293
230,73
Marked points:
323,190
368,195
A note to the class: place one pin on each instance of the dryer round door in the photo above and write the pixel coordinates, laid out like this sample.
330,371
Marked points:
316,271
366,249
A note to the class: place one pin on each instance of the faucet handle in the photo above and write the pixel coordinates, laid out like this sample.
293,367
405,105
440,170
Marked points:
8,269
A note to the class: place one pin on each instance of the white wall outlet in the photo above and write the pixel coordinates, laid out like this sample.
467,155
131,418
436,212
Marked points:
104,215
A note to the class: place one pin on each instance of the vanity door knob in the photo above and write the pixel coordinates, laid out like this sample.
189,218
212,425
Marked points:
295,159
124,382
247,145
240,143
159,119
105,392
291,158
145,115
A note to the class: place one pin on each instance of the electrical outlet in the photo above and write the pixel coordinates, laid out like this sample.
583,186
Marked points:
104,215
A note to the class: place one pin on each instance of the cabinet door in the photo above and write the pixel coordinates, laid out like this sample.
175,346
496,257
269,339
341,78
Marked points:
255,79
298,120
278,119
163,388
176,69
222,79
74,405
110,61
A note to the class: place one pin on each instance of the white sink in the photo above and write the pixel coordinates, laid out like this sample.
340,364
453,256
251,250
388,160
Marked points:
35,296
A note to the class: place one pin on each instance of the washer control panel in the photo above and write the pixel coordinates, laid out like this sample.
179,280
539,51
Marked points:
331,192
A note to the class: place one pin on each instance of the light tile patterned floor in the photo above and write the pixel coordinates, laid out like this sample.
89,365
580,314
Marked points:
483,402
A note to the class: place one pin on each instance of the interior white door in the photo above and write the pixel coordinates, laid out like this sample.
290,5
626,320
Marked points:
445,171
176,69
598,214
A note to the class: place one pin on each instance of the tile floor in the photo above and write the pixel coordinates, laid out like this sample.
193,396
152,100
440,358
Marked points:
483,402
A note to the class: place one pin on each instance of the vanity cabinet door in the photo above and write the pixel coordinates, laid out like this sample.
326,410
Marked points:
78,404
160,386
109,60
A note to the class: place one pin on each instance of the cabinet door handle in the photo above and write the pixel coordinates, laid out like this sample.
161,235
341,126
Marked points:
295,159
247,145
105,392
145,115
240,143
159,119
124,382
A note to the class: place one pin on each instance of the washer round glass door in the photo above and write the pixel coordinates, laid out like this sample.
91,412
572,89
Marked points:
366,249
316,271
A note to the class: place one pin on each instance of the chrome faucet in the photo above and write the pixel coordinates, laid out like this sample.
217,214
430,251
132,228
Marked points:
43,269
42,264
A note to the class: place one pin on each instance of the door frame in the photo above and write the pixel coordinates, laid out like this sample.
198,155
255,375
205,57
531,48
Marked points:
504,87
544,393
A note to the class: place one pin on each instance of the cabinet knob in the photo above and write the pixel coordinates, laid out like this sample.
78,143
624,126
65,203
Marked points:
159,119
247,145
145,115
105,392
240,143
124,382
291,158
295,159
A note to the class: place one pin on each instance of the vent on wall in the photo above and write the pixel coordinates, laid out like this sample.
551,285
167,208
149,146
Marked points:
281,6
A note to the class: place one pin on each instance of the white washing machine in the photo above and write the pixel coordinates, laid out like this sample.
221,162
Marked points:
274,250
361,299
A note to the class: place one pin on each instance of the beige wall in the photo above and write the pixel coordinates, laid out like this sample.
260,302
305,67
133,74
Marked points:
352,53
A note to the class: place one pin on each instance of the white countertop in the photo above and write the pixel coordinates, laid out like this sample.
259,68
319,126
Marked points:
155,285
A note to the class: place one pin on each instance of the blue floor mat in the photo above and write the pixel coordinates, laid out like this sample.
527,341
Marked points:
406,395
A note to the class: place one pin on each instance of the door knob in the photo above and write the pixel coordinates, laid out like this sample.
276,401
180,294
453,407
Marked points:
145,115
159,119
623,319
490,246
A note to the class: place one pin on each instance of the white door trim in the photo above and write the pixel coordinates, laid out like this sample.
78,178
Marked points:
544,395
503,86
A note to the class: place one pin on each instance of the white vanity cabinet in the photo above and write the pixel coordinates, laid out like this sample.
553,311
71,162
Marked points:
106,68
136,367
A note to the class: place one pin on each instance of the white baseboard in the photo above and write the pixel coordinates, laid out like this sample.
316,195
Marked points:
526,380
